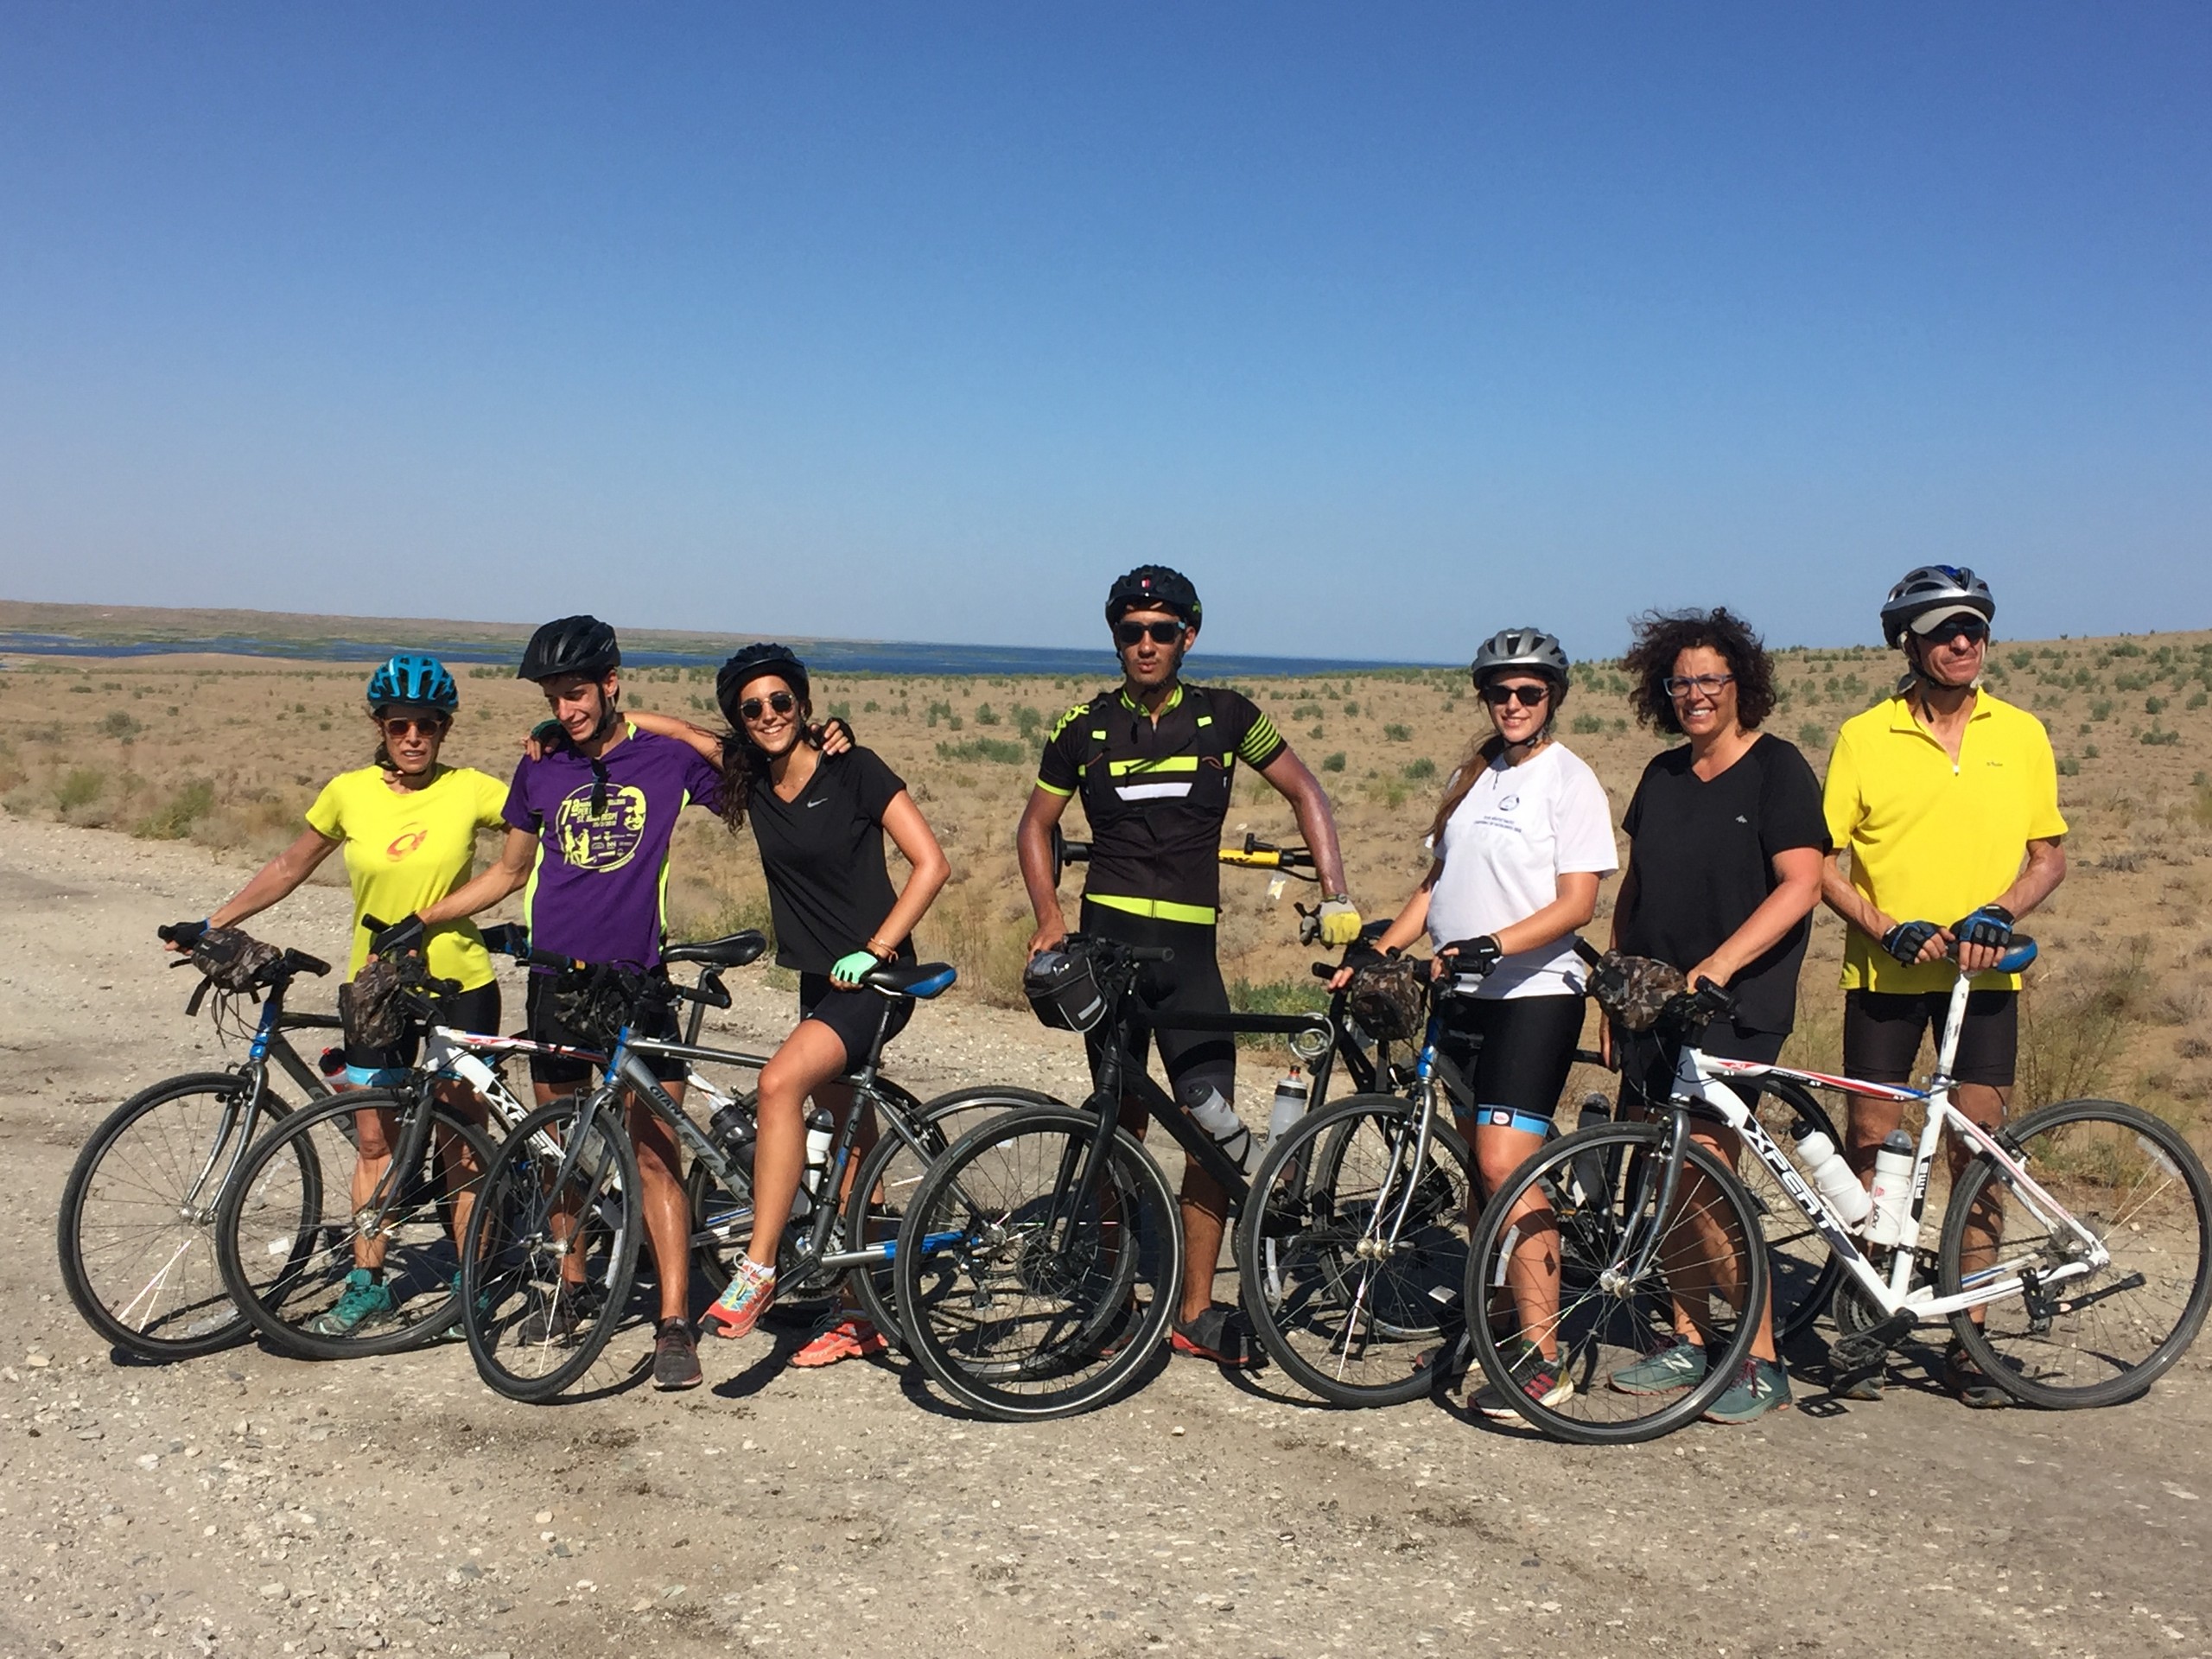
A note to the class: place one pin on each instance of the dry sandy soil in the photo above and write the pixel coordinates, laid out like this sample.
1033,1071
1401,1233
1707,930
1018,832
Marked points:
248,1503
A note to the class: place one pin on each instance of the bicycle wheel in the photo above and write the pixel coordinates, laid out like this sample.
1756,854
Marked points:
136,1232
551,1250
883,1186
1020,1304
1585,1231
2132,1179
289,1254
1354,1263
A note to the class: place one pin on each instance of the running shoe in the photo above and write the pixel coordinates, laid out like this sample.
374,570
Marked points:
1968,1382
1761,1386
366,1300
739,1308
555,1321
842,1336
1678,1365
1219,1334
676,1356
1540,1380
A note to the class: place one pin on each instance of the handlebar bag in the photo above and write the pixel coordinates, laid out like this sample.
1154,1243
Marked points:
1385,995
1633,989
233,961
1062,986
371,1006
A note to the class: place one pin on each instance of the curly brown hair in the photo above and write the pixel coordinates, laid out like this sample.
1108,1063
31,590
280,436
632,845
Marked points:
1661,636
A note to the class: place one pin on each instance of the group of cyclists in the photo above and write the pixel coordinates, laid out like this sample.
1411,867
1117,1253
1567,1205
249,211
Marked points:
1937,827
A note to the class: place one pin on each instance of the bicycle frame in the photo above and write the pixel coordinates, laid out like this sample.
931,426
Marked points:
1701,1081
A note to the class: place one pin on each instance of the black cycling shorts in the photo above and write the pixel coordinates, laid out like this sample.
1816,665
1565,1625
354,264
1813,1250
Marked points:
476,1010
1515,1051
851,1014
1882,1032
1200,1064
546,1027
1647,1063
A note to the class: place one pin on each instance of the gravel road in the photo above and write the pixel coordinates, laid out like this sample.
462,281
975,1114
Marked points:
248,1503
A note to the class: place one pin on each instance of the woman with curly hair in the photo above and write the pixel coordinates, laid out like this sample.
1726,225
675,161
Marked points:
1726,840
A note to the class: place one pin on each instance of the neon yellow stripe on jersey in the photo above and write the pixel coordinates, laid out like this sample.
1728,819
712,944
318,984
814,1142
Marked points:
1257,741
1054,789
1166,762
1165,909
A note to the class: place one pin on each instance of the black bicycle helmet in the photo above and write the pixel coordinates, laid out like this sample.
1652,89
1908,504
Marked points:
570,644
1930,595
750,664
1523,651
1154,587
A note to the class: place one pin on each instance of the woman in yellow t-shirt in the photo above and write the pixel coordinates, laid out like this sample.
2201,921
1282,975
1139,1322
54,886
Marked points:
409,828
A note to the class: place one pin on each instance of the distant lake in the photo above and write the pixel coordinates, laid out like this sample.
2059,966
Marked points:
823,656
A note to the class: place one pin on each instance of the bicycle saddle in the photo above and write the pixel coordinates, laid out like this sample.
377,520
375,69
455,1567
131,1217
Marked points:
911,979
733,951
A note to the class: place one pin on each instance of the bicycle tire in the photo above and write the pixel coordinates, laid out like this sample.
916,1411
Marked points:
1344,1322
885,1184
263,1218
1010,1320
1609,1313
2141,1188
106,1263
531,1338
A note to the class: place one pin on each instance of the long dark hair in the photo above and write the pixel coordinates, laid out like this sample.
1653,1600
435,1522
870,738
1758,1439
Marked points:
1661,637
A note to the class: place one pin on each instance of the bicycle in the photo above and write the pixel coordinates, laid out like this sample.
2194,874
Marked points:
2132,1224
550,1250
134,1234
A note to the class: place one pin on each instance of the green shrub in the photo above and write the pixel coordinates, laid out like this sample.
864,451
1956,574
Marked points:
1334,762
986,715
1395,733
999,751
2101,709
80,786
2068,767
1812,735
1586,724
1421,771
120,725
2154,705
2159,738
173,818
1275,996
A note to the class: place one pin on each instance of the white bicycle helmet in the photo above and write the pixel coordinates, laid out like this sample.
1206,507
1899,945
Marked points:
1930,594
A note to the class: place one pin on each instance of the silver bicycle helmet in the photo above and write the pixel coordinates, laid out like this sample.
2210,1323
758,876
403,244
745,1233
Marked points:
1931,594
1526,650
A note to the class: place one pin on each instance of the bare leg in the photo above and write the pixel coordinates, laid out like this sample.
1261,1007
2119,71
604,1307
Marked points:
1532,1275
668,1219
810,1057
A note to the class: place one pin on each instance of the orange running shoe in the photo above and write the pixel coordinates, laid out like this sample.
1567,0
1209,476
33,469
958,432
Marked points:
844,1336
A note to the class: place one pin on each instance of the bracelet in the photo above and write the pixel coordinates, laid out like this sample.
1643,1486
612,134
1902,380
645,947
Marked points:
876,948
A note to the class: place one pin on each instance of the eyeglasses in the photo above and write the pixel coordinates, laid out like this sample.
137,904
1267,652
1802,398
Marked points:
1706,685
1527,696
782,701
401,725
1972,629
1160,633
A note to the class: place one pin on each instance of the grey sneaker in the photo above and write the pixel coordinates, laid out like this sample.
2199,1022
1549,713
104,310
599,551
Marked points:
366,1300
1762,1386
1679,1365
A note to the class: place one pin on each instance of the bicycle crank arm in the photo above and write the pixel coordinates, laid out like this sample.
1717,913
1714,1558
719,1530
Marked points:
1861,1349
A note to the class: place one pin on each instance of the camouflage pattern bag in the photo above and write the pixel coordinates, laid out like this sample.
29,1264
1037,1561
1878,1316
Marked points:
1387,997
595,1001
232,961
1633,989
371,1007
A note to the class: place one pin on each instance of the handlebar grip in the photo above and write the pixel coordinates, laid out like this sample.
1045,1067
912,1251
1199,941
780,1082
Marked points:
373,924
442,987
183,933
1152,953
508,938
300,962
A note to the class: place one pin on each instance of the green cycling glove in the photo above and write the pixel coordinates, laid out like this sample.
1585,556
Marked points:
848,971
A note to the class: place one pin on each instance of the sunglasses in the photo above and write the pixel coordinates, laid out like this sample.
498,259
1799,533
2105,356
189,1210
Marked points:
1970,629
1160,633
1527,696
401,725
782,701
1681,685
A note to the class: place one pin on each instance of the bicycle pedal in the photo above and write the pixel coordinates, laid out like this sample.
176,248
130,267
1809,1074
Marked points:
1863,1349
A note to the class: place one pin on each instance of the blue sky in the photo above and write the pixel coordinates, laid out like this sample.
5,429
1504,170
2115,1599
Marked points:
1391,325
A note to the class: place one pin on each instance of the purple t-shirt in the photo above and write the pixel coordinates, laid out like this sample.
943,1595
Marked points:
595,895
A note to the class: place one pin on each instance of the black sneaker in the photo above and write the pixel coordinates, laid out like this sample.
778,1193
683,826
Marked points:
676,1356
1219,1334
555,1321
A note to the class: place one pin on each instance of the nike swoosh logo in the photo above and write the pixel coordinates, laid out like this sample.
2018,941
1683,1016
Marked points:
823,802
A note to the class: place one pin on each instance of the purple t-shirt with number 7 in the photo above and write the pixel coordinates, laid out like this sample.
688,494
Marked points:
597,894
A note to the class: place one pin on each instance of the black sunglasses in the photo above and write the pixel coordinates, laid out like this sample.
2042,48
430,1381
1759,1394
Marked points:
1161,633
782,701
1971,629
400,725
1527,696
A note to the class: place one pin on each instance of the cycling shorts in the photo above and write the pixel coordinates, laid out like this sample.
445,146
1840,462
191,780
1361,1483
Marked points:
851,1014
1515,1052
546,1026
476,1010
1882,1032
1200,1064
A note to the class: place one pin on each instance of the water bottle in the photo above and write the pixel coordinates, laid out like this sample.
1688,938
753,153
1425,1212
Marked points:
1833,1177
733,1131
1289,1105
821,1130
1892,1194
1220,1120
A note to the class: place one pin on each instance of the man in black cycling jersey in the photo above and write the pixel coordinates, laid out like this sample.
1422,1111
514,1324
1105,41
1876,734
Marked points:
1155,762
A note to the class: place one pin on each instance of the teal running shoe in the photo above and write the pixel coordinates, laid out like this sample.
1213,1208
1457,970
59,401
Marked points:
1679,1365
366,1300
1762,1386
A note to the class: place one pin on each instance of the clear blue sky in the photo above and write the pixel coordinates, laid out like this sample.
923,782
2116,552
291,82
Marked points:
1391,325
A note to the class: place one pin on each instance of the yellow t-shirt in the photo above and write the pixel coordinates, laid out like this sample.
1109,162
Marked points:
404,851
1930,841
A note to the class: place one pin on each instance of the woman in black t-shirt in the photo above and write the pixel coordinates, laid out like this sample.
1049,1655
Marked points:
1725,839
819,820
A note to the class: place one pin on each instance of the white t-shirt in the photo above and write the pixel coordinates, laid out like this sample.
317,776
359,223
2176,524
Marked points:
1505,846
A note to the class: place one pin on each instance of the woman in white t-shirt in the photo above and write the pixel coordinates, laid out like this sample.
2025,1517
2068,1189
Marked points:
1521,840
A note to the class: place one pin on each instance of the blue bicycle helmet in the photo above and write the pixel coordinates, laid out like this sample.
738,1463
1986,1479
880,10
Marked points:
415,679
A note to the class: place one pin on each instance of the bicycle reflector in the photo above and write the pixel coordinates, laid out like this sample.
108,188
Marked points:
1063,991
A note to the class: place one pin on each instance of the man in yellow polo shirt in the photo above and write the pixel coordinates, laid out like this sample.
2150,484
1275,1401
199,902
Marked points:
1945,798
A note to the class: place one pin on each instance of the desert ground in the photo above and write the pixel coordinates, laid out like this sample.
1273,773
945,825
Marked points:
250,1503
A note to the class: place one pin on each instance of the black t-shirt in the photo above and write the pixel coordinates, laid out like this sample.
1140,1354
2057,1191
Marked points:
1703,853
822,853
